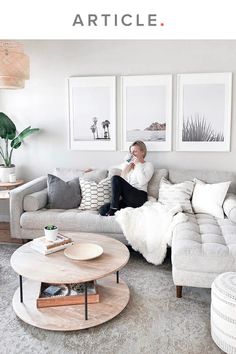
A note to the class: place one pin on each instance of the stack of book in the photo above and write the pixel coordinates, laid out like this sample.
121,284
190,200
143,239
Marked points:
44,246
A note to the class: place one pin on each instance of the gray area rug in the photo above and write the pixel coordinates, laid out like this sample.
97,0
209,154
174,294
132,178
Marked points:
154,321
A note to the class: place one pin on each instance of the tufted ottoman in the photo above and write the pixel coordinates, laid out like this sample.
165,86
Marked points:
202,248
223,312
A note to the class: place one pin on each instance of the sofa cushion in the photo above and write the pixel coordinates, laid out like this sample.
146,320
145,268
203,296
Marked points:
229,207
209,198
63,195
172,194
94,195
69,173
204,244
35,201
70,220
154,183
208,176
114,171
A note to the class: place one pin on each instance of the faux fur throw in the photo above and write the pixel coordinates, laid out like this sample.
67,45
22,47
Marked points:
149,228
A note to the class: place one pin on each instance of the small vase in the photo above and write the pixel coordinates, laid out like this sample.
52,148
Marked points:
5,172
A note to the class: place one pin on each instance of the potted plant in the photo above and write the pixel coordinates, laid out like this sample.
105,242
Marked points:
12,140
50,232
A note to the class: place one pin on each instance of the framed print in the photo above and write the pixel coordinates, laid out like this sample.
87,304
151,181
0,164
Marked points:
204,112
147,111
92,112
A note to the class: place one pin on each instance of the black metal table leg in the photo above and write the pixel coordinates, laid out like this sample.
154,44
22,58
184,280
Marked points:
86,301
117,276
21,289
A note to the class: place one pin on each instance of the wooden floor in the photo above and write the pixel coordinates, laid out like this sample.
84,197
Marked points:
5,236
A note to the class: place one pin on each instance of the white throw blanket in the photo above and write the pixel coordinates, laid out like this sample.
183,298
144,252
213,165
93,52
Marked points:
149,228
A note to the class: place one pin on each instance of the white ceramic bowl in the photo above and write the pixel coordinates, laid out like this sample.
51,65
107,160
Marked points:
83,251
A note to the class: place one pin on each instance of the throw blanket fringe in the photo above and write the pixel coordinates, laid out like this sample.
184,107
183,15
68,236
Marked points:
149,228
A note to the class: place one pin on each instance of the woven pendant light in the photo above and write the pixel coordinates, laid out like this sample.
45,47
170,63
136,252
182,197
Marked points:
14,65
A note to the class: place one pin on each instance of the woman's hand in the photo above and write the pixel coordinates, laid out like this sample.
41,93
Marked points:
136,160
127,169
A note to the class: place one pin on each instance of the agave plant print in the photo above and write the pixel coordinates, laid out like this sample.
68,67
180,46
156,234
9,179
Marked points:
197,128
204,112
92,113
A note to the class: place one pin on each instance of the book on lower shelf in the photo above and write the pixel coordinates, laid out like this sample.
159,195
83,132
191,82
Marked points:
42,245
66,294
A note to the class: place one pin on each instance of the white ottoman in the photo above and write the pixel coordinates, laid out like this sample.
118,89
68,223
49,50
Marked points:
223,312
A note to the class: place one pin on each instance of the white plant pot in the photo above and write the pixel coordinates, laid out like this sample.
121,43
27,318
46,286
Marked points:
5,172
51,235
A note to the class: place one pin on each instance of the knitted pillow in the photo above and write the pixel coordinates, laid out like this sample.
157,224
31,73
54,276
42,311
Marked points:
179,193
95,194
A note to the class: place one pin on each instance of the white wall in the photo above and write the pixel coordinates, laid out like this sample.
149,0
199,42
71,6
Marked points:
44,101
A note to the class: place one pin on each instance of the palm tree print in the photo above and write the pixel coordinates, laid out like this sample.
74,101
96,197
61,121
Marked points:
107,123
93,128
104,127
95,120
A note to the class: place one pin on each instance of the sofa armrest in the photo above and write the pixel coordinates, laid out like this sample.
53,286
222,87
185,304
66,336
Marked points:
229,207
36,200
16,202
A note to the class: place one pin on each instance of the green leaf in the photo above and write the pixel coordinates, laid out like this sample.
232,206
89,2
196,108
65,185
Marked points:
16,143
8,133
7,127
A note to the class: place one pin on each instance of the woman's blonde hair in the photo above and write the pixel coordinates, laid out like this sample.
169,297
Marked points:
141,146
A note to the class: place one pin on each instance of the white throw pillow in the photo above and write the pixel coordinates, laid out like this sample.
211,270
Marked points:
229,207
95,194
209,198
179,193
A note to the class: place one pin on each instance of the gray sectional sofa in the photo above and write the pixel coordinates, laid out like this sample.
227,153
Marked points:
202,247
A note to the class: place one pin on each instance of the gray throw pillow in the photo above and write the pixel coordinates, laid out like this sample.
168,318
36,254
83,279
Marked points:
154,183
63,195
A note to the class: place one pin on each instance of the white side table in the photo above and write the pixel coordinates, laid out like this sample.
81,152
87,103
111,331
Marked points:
5,188
223,312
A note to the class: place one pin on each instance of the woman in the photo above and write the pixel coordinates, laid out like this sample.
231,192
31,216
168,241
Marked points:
130,189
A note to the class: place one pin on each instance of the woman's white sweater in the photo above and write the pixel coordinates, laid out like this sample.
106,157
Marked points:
140,175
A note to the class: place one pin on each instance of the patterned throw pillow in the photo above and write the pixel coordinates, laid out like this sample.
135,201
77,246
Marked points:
180,193
95,194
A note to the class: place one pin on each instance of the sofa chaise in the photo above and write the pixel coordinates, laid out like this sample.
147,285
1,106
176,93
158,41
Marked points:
202,247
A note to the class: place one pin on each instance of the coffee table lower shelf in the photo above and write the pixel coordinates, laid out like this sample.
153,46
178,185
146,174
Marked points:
113,299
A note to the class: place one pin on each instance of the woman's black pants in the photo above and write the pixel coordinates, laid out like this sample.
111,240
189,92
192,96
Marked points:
123,195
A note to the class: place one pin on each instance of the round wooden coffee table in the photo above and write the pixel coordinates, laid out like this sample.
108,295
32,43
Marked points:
57,268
